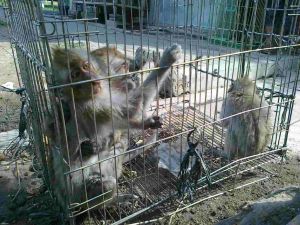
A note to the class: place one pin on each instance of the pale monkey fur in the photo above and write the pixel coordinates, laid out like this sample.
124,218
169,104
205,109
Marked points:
93,98
118,64
248,133
143,60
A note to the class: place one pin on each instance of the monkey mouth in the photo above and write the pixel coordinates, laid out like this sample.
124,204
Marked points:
96,87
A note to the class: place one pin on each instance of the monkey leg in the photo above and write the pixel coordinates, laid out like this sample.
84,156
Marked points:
157,77
105,190
171,55
231,144
105,187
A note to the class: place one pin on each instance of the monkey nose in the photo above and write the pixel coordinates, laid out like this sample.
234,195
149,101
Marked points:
96,86
96,82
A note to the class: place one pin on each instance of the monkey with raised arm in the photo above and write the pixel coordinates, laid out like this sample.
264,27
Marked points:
119,64
94,99
248,133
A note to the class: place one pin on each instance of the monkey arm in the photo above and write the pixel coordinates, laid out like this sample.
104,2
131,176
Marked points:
228,109
125,115
157,77
136,122
139,99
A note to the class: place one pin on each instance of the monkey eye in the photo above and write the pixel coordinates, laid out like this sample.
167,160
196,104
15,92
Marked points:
123,66
86,66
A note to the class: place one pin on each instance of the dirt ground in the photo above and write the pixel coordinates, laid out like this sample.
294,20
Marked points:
212,211
9,102
206,213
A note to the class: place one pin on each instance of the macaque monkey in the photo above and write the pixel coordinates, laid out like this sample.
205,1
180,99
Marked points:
118,64
248,133
96,106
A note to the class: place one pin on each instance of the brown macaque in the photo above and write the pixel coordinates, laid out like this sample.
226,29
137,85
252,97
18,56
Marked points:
118,64
99,113
248,133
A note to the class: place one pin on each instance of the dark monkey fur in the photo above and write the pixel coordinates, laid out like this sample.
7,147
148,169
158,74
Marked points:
248,133
95,100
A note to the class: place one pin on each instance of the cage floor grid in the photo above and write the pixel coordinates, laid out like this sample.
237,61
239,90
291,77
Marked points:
182,119
153,184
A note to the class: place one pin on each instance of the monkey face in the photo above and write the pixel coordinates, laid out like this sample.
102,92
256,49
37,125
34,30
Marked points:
111,60
119,66
75,65
85,71
242,86
110,57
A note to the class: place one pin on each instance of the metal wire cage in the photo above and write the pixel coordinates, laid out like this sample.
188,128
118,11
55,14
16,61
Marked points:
220,40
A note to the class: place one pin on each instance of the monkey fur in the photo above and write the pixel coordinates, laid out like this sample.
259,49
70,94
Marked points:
144,59
97,104
248,133
119,65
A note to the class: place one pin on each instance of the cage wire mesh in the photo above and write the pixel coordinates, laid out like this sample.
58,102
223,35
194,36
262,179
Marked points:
164,171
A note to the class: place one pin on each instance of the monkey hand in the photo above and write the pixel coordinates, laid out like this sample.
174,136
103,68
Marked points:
153,122
171,55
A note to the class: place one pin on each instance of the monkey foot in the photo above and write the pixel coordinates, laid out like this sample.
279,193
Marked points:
141,55
171,55
153,122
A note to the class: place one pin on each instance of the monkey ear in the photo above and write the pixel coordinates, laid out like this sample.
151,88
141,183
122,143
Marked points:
59,55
